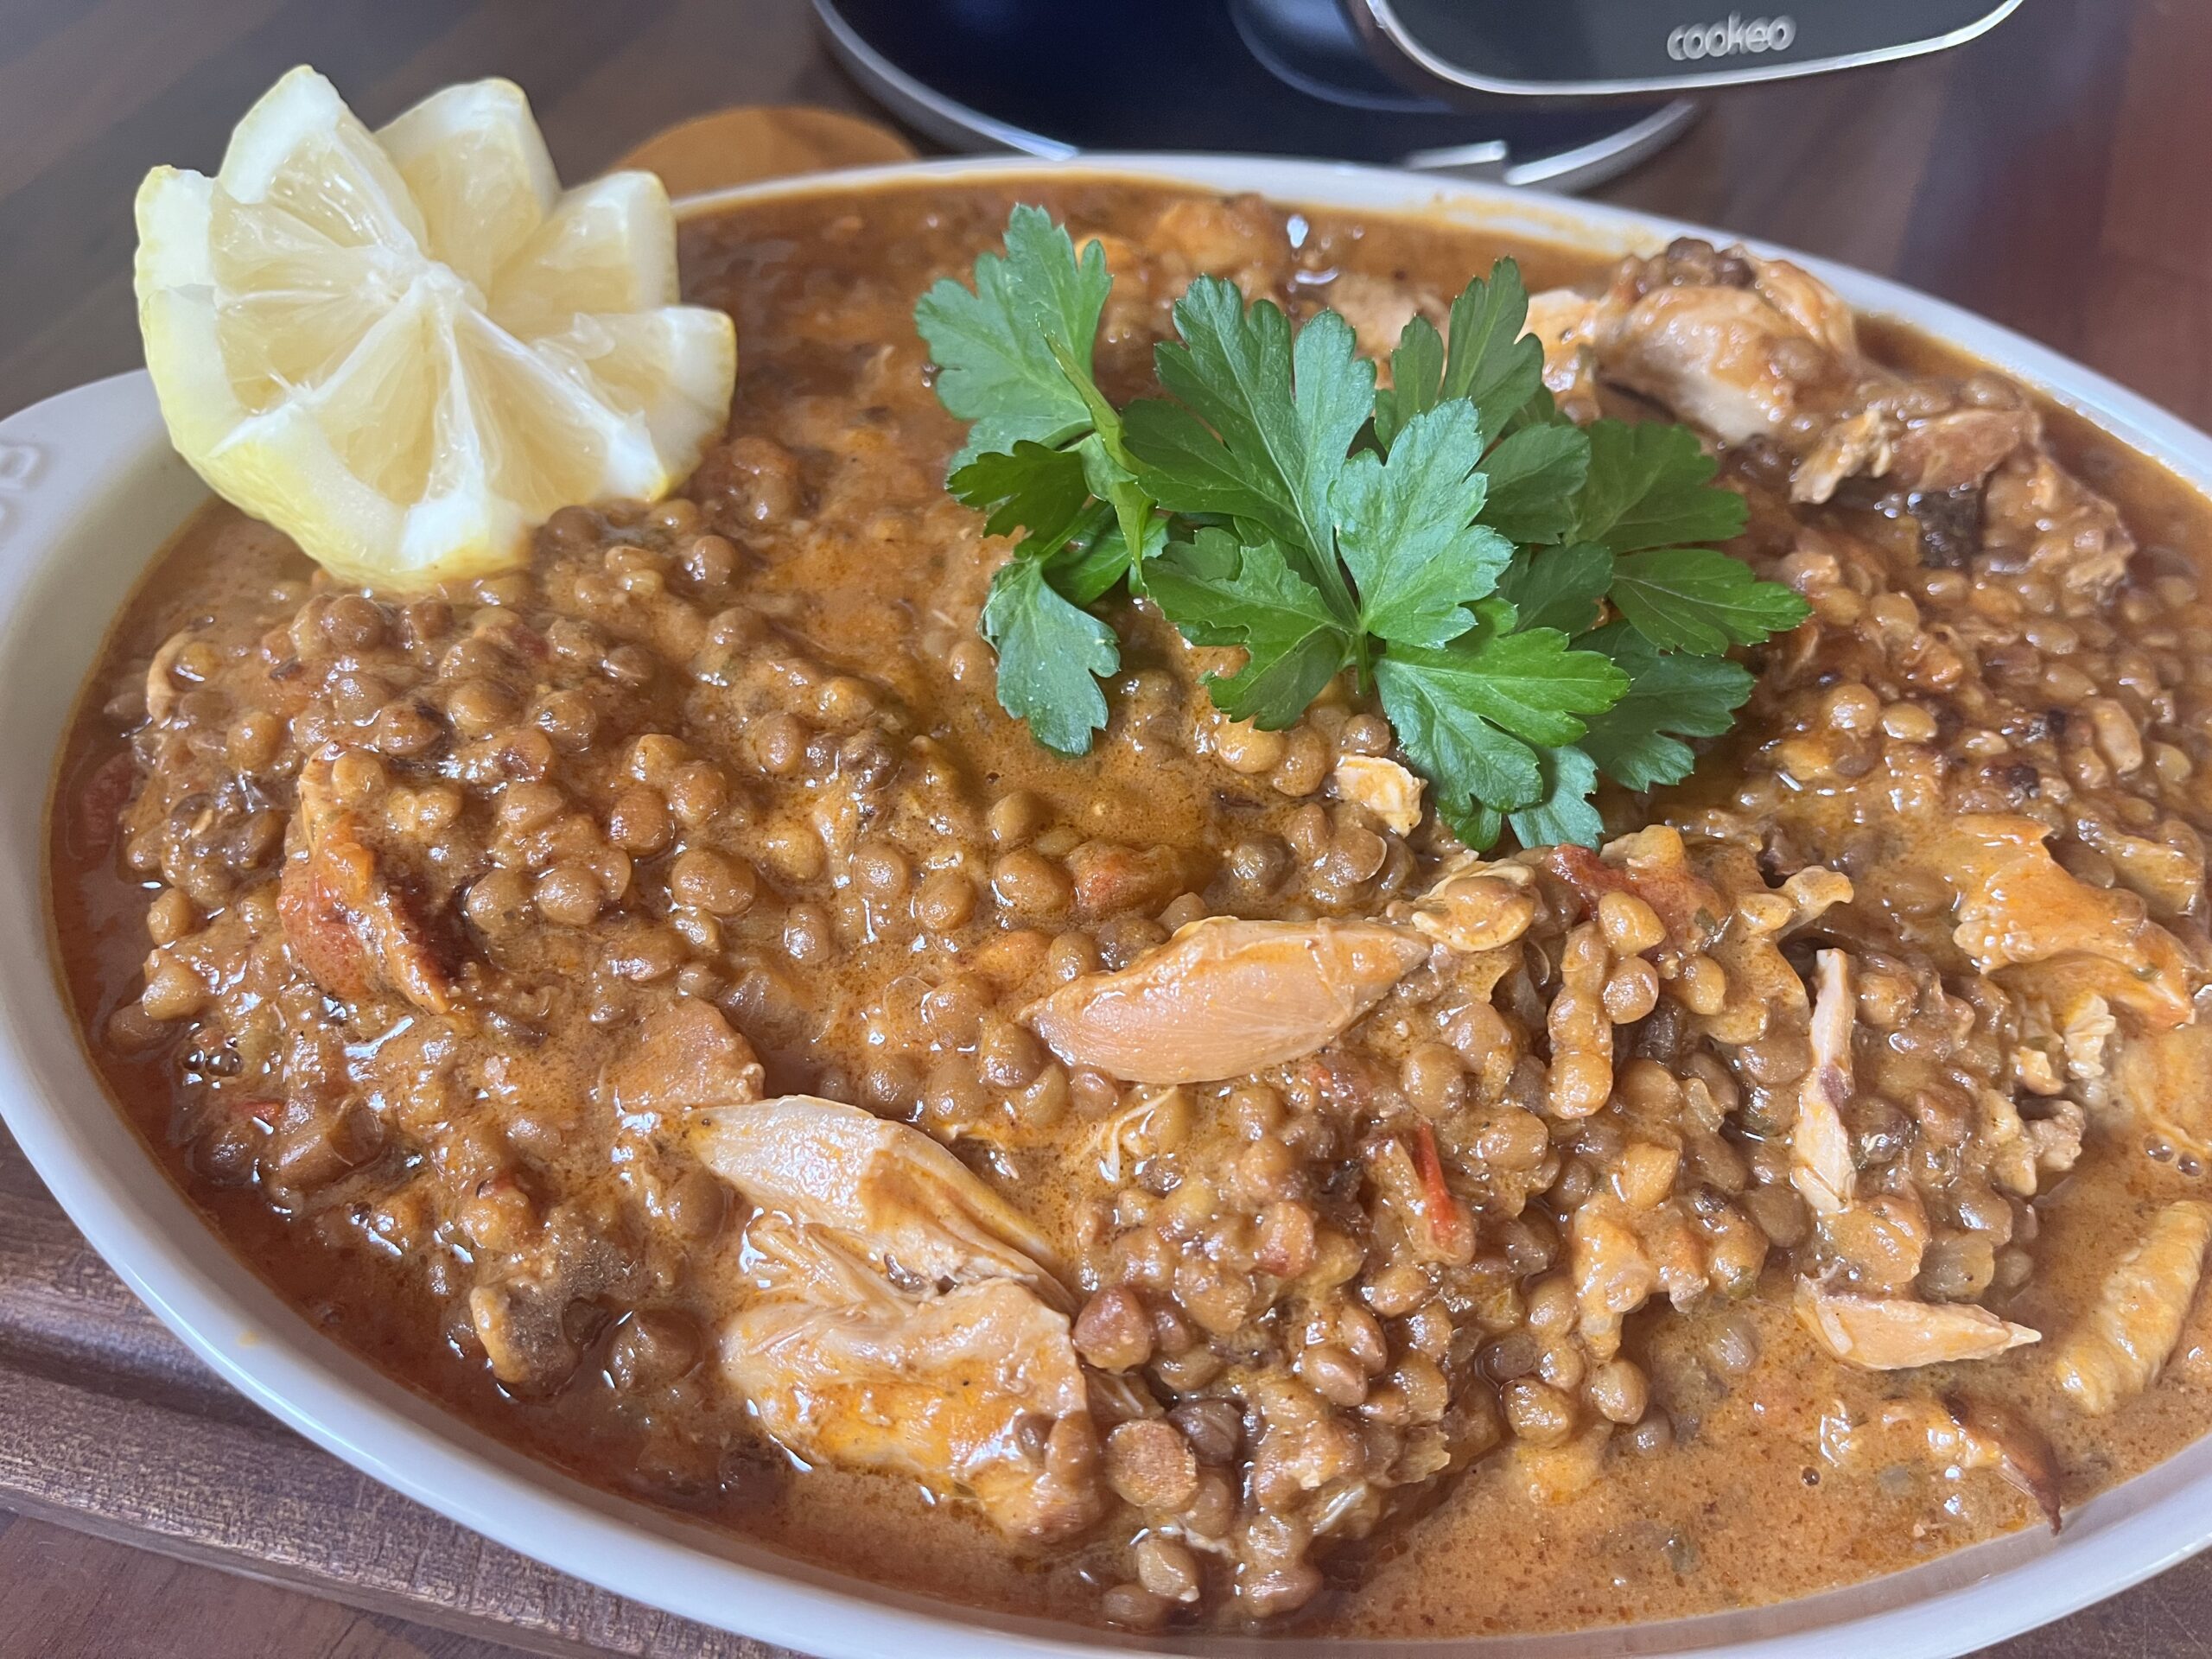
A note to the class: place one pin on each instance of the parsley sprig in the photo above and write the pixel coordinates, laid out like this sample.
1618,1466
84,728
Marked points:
1533,603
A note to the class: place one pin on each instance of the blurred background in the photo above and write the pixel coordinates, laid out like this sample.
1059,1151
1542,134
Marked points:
2051,174
2054,173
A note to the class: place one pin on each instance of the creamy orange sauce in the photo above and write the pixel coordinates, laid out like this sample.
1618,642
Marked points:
1745,1508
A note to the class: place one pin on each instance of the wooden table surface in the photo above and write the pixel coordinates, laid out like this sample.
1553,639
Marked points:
2055,175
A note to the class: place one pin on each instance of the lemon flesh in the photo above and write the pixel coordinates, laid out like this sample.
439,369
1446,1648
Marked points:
407,348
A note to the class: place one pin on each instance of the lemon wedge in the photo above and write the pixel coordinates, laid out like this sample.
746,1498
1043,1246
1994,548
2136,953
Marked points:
406,349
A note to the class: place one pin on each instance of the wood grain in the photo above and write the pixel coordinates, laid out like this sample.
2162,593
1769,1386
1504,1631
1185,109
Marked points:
2053,176
734,147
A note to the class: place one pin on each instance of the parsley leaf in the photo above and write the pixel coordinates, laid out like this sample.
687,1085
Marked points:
1476,769
994,345
1541,410
1051,655
1461,550
1263,423
1220,593
1407,530
1637,741
1028,486
1561,813
1014,357
1091,561
1650,486
1557,587
1107,468
1531,682
1489,361
1535,475
1417,379
1694,598
1492,362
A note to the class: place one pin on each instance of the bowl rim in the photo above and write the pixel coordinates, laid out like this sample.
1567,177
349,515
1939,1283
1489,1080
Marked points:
77,455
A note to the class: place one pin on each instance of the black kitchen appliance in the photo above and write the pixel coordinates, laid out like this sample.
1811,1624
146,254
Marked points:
1560,92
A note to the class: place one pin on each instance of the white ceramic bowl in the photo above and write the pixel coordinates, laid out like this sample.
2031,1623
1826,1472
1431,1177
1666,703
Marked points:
89,489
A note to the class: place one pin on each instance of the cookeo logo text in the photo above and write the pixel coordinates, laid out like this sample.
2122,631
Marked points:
1732,37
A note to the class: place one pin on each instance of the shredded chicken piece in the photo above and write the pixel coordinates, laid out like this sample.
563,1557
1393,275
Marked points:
1239,239
1560,318
1750,348
2022,1151
1377,309
1612,1273
2165,1080
1817,309
1128,1133
2085,1027
685,1055
2034,1070
1879,1333
2028,923
1861,445
161,691
1814,892
1820,1147
1728,359
888,1191
354,928
1958,450
1225,997
1476,906
2166,869
976,1389
1383,787
2120,1346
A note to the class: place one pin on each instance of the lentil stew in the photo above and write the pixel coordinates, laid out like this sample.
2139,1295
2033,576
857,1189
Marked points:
656,1004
